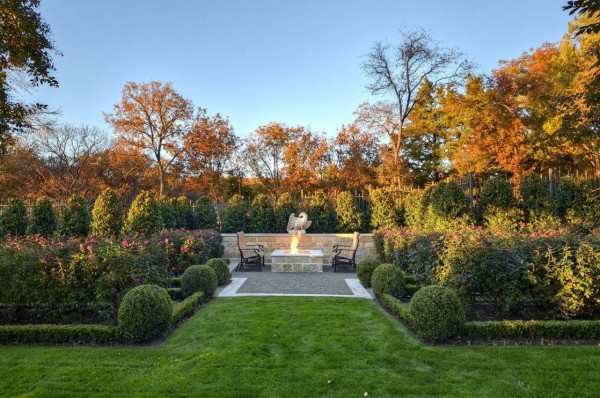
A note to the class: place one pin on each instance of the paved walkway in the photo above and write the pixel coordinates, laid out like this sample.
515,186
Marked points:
267,283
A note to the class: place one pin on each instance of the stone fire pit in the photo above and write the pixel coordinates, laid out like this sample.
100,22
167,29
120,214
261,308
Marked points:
297,261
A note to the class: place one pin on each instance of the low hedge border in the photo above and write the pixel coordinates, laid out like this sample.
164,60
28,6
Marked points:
85,334
186,307
508,330
176,293
60,334
532,330
396,307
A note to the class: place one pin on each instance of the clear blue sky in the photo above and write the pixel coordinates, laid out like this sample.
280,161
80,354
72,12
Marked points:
256,61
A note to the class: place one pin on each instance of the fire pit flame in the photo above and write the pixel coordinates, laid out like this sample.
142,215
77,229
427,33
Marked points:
294,243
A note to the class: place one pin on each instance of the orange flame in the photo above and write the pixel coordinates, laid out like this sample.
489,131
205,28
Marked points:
295,241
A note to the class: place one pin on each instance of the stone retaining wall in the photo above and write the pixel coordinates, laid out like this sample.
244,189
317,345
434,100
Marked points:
323,242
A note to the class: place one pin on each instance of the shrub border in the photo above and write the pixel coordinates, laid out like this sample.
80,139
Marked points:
511,331
75,334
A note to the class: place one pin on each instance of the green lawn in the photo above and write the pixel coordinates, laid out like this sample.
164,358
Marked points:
291,347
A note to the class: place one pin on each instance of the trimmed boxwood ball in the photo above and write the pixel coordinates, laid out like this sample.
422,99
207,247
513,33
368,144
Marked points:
388,279
364,270
199,278
436,313
221,268
145,312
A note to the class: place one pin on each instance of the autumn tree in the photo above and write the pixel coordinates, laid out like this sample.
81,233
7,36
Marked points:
26,49
306,159
208,148
397,71
264,151
426,136
589,9
68,160
357,155
152,118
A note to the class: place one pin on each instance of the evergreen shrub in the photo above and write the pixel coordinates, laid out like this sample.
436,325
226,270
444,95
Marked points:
349,216
384,214
145,313
436,313
262,215
107,214
322,214
286,205
144,215
496,192
205,213
235,218
43,218
364,270
388,279
74,221
221,268
13,219
199,278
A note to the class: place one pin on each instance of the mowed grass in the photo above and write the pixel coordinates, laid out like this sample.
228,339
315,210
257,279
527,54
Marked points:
291,347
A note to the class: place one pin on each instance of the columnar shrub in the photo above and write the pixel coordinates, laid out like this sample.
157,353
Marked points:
186,218
145,312
436,313
262,215
448,201
349,216
43,218
388,279
496,192
144,215
535,193
205,213
199,278
415,208
235,217
221,268
572,194
322,214
384,214
168,212
107,214
13,219
364,270
286,205
75,218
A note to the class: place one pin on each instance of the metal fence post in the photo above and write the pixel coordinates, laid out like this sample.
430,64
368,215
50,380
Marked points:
471,190
551,183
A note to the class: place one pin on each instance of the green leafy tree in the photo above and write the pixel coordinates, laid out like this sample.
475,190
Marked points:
43,218
75,218
144,215
286,205
262,215
26,51
13,219
321,212
206,215
235,217
349,216
384,214
107,214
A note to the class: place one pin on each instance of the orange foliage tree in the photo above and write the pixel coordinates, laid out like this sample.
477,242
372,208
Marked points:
209,148
152,118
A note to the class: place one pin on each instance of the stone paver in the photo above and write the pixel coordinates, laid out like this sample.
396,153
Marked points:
267,283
